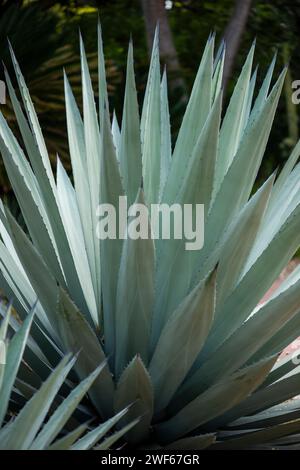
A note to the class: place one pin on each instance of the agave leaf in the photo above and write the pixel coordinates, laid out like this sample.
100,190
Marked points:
218,72
250,98
181,340
291,279
193,443
260,437
92,147
28,139
155,47
31,212
46,184
65,442
286,189
135,388
272,395
287,169
63,412
42,166
202,163
247,340
135,296
71,219
282,339
92,437
11,291
110,192
20,434
5,235
2,361
19,288
79,167
279,447
5,323
215,401
289,439
264,89
219,54
15,271
14,354
32,345
76,139
102,85
236,187
278,414
30,183
279,209
3,345
130,143
40,277
257,280
174,270
77,336
116,133
239,242
111,440
283,367
232,126
195,116
151,130
166,146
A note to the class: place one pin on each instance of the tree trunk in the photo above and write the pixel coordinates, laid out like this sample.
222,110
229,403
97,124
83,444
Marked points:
155,13
233,34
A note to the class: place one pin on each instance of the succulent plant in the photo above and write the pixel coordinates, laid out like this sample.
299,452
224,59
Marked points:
26,429
189,348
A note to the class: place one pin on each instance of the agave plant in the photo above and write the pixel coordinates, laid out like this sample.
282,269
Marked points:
28,429
188,344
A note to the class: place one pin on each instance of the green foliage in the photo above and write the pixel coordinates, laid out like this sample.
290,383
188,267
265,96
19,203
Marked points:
28,430
189,349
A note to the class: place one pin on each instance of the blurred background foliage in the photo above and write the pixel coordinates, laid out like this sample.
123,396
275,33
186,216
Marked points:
44,35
